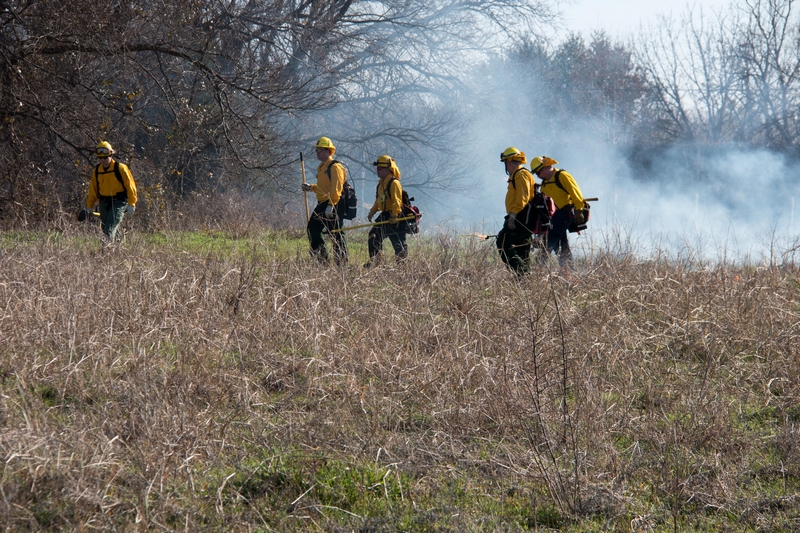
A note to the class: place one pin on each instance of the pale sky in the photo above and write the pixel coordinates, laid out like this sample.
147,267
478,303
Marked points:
620,18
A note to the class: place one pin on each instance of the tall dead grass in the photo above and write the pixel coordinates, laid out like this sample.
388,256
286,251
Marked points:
235,213
151,388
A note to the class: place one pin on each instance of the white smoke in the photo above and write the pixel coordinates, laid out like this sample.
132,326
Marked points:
728,204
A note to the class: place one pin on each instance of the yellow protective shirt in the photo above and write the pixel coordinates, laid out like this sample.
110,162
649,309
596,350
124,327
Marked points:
329,189
110,185
520,190
388,197
561,197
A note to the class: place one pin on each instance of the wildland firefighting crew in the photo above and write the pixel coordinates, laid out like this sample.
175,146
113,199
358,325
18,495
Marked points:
389,201
113,188
326,217
514,239
549,210
562,188
558,199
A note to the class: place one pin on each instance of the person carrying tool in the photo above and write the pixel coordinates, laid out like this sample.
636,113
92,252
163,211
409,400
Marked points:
331,176
113,187
389,201
562,188
514,239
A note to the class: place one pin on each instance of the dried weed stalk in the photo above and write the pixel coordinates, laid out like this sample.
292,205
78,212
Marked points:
159,388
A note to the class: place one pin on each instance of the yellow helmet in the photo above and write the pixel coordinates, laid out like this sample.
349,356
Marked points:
326,143
384,161
512,154
539,162
103,149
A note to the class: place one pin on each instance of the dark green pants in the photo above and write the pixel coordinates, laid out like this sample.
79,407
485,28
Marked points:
111,212
396,234
514,247
317,226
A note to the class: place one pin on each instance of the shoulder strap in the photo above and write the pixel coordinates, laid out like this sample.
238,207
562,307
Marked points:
558,181
513,177
389,184
97,179
117,174
344,185
328,171
388,188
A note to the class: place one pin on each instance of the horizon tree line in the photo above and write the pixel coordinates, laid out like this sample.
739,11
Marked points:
209,97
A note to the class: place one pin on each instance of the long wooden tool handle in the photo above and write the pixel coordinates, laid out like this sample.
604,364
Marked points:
305,193
348,228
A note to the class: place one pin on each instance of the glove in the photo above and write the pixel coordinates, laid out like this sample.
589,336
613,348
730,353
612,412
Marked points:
329,211
82,215
579,217
130,209
392,219
369,217
511,221
306,187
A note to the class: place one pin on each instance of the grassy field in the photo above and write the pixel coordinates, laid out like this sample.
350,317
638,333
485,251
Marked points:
195,382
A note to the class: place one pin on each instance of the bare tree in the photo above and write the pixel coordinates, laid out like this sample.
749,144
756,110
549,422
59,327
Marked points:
407,93
572,86
769,47
193,87
693,70
206,94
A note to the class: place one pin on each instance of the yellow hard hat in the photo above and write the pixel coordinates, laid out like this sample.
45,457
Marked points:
384,161
324,142
103,149
539,162
512,154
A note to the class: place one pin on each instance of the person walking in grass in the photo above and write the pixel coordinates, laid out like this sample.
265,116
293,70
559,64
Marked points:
562,188
389,201
514,239
113,188
326,217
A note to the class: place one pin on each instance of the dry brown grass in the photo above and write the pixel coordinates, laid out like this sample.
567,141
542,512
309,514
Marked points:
158,388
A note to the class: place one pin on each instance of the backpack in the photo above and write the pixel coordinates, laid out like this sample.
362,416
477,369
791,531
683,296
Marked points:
120,195
535,216
408,210
411,210
348,203
544,207
574,227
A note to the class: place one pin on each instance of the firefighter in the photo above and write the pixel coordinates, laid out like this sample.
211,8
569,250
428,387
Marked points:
389,201
326,217
112,186
562,188
514,239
